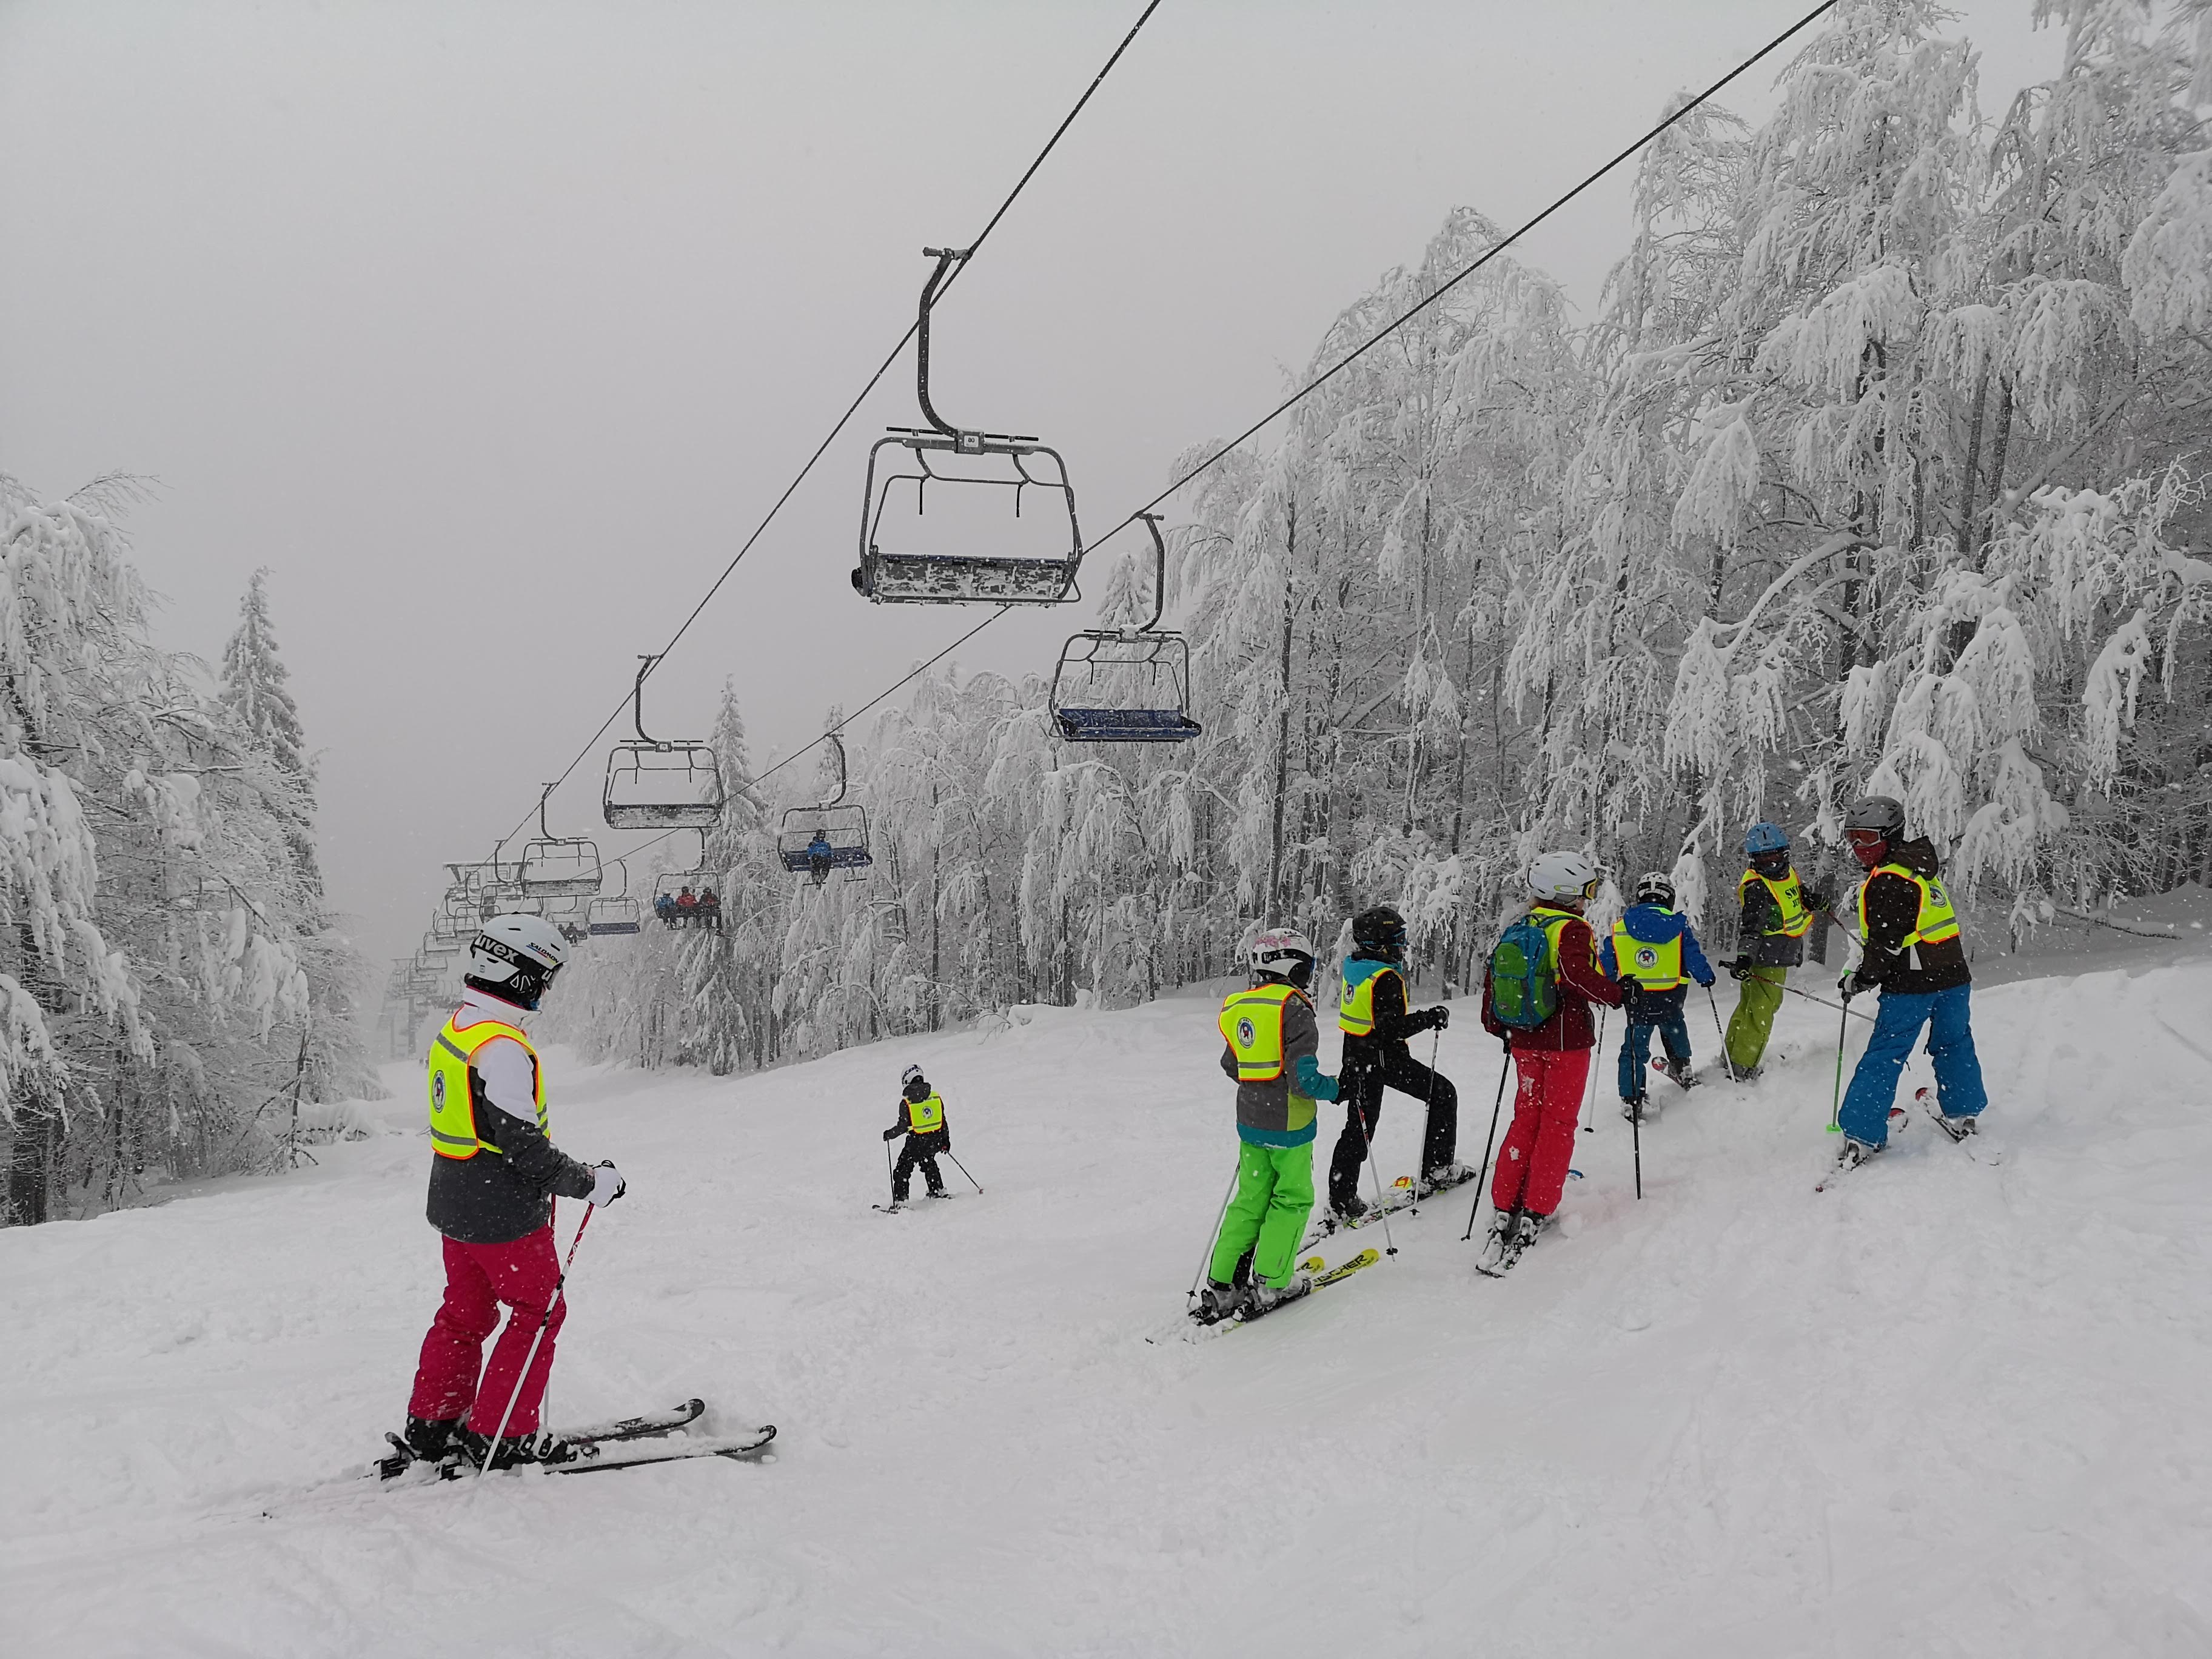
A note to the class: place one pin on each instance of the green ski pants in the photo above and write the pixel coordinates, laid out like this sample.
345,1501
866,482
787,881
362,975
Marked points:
1274,1195
1752,1022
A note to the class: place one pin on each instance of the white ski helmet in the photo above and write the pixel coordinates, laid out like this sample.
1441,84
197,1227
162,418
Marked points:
1562,876
515,956
1281,951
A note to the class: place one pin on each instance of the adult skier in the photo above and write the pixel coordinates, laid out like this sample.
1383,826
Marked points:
922,1121
1372,1014
1654,954
1914,956
1550,1051
493,1170
1271,1046
1776,912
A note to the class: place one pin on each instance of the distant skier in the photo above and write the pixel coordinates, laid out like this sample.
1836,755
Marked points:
664,905
1914,955
1776,913
1271,1045
820,855
1537,994
1372,1015
1654,954
492,1170
929,1135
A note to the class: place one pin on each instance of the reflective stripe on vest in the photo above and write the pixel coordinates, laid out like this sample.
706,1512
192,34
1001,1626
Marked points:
1937,920
1252,1024
1355,1007
452,1091
926,1117
1789,901
1655,967
1554,924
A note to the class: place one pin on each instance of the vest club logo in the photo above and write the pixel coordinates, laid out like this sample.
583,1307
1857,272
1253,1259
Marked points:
1245,1033
1646,956
438,1089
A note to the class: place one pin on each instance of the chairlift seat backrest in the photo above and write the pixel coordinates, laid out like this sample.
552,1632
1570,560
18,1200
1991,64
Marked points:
662,786
557,866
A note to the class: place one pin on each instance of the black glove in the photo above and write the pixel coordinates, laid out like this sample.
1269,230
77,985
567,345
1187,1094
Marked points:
1851,985
1816,902
1707,981
894,1132
1438,1019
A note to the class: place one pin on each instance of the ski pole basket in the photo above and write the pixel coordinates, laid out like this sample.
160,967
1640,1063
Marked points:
653,784
1127,684
978,553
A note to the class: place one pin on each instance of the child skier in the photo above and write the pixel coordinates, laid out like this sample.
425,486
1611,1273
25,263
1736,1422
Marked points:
1776,915
1543,1017
1371,1012
1653,953
922,1121
1914,954
1271,1045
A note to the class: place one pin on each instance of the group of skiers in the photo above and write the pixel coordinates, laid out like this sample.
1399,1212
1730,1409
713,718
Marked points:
1547,971
495,1168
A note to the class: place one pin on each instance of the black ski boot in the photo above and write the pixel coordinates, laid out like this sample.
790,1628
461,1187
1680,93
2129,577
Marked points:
1216,1302
1638,1111
1350,1208
516,1451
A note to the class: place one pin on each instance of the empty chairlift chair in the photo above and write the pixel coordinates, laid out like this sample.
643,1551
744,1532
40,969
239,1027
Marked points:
1127,684
555,866
834,835
982,554
656,784
616,914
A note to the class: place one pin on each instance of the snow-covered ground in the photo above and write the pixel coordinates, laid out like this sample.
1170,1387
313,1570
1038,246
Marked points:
1944,1409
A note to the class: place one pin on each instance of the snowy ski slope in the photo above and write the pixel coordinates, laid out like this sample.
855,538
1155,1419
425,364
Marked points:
1944,1409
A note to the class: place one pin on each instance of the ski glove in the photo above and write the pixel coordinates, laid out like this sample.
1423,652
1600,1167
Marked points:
1738,969
1438,1019
894,1132
1708,983
607,1185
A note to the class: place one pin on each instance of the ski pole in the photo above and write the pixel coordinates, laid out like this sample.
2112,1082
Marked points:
1373,1168
1721,1032
1206,1260
962,1168
523,1375
1595,1053
1488,1141
1824,1003
890,1171
1836,1102
1635,1138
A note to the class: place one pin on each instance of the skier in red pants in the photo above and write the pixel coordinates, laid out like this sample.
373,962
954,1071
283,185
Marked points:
492,1174
1551,1057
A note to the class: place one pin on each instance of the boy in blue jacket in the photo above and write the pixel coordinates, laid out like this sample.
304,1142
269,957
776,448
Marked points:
1654,955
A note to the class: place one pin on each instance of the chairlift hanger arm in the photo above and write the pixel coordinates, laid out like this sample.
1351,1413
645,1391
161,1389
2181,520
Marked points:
948,260
645,665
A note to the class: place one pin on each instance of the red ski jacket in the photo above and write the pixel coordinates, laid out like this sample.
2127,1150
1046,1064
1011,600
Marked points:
1581,982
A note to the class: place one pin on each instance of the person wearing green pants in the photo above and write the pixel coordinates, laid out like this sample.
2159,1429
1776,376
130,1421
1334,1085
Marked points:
1777,913
1271,1046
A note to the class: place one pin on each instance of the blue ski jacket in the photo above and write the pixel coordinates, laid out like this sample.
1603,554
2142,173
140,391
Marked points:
1654,926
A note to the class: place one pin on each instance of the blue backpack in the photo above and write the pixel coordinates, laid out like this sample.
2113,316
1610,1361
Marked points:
1524,990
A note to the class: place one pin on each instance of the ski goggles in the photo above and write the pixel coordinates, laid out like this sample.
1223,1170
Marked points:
1868,840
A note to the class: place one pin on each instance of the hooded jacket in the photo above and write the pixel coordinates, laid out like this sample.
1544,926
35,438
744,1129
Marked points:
1653,923
1893,908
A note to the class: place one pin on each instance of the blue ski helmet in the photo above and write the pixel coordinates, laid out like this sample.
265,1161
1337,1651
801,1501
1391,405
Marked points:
1763,837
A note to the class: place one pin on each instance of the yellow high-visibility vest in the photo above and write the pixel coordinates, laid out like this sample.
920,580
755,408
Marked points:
1355,1007
1936,922
1252,1024
1655,967
926,1116
453,1097
1788,900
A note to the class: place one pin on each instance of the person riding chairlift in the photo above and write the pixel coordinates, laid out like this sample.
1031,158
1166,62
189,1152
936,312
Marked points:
819,853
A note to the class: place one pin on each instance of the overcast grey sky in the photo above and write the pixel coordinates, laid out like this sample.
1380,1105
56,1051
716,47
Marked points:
493,329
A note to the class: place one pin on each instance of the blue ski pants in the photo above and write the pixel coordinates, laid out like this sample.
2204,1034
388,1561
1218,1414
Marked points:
1636,1043
1865,1114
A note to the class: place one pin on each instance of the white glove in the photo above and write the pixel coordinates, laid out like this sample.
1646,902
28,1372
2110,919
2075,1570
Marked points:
607,1185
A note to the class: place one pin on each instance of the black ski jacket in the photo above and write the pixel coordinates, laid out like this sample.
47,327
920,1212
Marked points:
1893,905
1394,1023
496,1197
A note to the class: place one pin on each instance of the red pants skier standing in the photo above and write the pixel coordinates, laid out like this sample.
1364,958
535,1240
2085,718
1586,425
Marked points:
1551,1059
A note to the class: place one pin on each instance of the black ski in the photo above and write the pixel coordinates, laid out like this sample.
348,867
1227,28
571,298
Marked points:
641,1427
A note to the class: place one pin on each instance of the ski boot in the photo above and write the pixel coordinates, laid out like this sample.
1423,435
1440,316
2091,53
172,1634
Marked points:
1852,1153
517,1450
1443,1177
1216,1302
1638,1109
1497,1245
1351,1207
1678,1071
1266,1297
425,1440
1749,1073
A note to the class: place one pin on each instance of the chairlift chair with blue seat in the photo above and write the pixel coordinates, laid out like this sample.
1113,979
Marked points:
616,914
659,784
986,564
1127,684
814,841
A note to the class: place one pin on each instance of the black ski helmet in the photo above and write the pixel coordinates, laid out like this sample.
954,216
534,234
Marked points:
1880,813
1380,931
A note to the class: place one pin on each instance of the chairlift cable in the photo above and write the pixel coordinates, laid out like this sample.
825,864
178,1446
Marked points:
874,380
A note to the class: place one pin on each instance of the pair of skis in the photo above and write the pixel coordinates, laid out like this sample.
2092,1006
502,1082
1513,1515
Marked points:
625,1443
1318,1276
1968,1140
1405,1193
